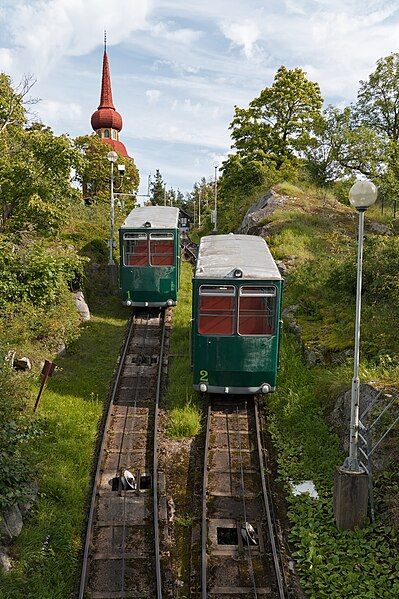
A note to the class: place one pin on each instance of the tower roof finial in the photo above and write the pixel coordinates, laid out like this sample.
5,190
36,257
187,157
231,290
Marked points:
105,40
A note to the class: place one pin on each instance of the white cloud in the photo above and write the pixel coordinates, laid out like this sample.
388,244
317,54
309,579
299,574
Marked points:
48,30
6,59
52,111
184,36
153,95
243,34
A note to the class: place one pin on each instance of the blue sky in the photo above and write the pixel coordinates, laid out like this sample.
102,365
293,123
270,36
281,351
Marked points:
179,67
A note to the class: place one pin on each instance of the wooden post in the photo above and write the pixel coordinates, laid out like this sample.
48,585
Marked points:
47,371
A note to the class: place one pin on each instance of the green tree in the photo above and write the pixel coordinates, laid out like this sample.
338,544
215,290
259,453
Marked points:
378,98
279,123
343,146
93,170
157,189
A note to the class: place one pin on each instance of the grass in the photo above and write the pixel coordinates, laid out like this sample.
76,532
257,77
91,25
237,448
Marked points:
181,400
330,563
70,411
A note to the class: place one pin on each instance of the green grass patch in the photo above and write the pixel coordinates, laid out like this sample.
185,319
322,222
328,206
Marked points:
330,563
70,411
181,399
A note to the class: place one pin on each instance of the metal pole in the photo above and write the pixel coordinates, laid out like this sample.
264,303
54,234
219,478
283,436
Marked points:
215,225
352,463
112,219
199,206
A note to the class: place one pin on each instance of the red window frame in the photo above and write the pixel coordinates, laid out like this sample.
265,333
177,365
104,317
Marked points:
216,310
162,249
135,249
256,310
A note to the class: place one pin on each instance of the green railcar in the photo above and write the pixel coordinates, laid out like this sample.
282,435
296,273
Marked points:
150,257
236,323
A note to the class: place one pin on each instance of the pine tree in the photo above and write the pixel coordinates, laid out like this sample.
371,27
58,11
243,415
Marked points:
157,189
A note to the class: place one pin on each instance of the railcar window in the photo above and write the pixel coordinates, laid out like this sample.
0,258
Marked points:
161,249
257,311
135,249
216,310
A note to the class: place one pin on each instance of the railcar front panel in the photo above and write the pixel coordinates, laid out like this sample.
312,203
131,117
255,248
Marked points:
235,335
150,267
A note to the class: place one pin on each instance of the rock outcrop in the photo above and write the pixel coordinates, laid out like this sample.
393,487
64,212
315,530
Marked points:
259,211
81,305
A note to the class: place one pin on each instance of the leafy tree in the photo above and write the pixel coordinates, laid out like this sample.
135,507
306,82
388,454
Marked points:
35,167
378,98
93,170
157,189
279,123
14,101
343,146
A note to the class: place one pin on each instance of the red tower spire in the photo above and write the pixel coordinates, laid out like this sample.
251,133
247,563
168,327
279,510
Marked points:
106,89
106,121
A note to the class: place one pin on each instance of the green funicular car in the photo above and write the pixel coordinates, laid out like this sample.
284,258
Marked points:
236,323
150,257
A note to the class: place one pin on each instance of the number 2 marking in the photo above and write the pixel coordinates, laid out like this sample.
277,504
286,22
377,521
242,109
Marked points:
203,376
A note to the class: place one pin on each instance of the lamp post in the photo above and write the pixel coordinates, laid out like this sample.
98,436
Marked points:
112,157
215,214
350,485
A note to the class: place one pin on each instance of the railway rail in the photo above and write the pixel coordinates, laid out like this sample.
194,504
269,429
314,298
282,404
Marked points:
190,249
239,546
122,546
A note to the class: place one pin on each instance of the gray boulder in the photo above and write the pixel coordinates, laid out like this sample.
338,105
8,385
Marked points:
263,208
5,561
10,523
81,305
380,228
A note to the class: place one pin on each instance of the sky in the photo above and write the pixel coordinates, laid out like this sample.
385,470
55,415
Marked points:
179,67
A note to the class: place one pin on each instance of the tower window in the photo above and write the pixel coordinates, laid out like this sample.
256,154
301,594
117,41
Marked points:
106,132
99,134
113,134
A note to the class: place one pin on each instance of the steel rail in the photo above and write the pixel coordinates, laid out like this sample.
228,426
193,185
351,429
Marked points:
155,462
97,475
118,469
268,509
204,527
244,505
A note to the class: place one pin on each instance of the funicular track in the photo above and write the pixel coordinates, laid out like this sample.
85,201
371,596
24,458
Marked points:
189,249
235,492
122,547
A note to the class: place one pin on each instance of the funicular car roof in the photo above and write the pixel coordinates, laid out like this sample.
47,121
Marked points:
220,255
160,217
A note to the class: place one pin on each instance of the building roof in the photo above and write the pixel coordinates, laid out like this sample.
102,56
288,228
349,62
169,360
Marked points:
116,145
106,117
220,255
160,217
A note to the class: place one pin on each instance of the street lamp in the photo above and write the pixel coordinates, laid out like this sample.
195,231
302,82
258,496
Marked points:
215,213
362,195
112,157
350,485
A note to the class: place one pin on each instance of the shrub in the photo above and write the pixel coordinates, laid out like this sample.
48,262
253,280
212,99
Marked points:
16,431
36,272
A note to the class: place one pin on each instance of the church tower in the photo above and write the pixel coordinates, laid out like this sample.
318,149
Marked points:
106,121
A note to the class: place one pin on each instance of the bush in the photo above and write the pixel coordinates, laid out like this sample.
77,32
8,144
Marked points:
16,431
380,271
36,273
